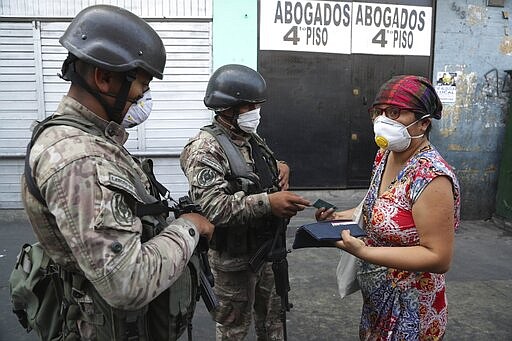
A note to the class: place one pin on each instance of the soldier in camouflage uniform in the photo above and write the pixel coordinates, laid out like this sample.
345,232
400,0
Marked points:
90,186
241,211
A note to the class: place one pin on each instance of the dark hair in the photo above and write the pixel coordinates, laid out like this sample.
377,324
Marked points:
418,115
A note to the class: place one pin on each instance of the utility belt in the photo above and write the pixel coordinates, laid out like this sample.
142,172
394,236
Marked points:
242,239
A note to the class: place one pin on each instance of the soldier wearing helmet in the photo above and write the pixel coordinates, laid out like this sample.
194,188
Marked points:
242,189
124,268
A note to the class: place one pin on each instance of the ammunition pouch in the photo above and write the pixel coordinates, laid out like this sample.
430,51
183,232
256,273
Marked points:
165,318
81,302
260,256
171,312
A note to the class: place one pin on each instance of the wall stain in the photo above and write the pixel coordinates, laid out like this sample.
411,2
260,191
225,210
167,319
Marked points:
466,90
455,147
506,46
476,15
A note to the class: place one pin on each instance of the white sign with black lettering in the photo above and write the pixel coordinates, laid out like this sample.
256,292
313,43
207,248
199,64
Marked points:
391,29
310,26
446,86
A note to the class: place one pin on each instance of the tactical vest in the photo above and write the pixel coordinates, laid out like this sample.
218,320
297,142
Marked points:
164,318
247,238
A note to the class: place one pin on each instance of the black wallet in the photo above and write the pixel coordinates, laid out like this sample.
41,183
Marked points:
324,233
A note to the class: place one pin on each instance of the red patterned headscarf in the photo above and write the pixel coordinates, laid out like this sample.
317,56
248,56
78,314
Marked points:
413,92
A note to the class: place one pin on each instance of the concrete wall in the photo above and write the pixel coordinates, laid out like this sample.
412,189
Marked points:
473,39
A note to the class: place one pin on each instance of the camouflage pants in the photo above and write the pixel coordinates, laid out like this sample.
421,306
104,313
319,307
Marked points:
241,295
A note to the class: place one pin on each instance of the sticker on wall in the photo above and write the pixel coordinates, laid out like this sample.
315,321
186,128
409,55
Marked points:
446,86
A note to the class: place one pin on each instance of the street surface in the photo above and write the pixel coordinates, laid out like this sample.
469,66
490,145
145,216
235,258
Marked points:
479,283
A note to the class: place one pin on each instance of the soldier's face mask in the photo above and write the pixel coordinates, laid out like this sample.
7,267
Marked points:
249,121
138,111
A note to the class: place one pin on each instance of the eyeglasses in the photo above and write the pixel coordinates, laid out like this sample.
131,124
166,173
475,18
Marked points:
390,112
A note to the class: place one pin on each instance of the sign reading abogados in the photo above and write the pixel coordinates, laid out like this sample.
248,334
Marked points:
345,27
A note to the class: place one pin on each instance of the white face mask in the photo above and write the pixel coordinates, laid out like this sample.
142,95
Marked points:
249,121
393,135
138,112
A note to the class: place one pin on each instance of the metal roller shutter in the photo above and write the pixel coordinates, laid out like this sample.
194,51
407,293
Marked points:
18,103
31,58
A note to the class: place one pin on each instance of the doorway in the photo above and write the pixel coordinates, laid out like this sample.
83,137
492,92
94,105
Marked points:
316,115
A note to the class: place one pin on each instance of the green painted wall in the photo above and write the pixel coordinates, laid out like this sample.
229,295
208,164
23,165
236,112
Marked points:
235,33
504,196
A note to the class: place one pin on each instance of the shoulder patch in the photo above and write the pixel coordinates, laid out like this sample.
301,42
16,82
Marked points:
211,163
206,177
120,210
123,184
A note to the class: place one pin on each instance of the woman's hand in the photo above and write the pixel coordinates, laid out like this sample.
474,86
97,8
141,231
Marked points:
323,214
350,244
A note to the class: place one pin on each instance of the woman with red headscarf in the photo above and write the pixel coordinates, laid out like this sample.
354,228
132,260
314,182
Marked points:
410,215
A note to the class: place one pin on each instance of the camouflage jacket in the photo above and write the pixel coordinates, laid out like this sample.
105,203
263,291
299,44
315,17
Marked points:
87,225
207,169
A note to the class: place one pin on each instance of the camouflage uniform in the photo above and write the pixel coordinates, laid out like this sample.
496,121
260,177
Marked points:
88,227
239,290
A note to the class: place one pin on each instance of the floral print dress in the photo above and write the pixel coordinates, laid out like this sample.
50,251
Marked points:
397,304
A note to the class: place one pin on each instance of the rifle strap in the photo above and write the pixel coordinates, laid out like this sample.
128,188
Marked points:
150,206
39,128
147,167
261,164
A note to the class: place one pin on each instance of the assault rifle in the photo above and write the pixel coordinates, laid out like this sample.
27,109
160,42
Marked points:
274,251
182,206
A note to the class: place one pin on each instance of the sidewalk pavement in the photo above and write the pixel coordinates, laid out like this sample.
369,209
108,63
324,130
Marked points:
479,283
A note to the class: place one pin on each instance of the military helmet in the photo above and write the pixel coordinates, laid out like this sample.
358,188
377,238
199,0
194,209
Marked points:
232,85
115,39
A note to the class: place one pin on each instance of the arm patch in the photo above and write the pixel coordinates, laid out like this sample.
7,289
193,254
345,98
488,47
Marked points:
206,177
211,163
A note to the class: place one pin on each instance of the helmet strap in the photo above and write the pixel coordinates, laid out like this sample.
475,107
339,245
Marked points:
232,120
113,112
227,121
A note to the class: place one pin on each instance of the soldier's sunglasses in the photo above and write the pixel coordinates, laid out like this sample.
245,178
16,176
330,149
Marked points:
390,112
